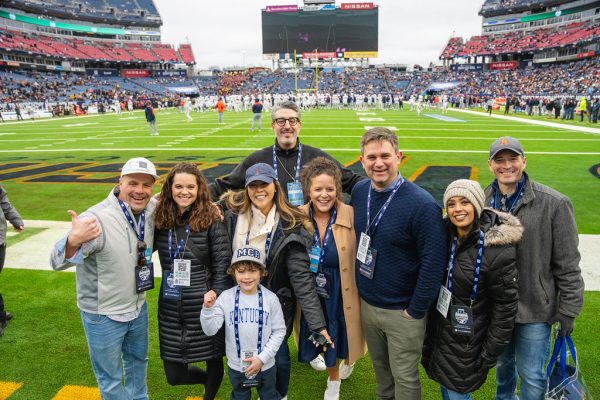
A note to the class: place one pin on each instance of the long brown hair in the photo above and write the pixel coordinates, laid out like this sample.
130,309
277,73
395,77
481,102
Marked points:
203,212
239,202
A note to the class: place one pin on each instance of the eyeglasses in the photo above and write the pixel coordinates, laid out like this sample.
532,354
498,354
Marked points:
141,253
281,121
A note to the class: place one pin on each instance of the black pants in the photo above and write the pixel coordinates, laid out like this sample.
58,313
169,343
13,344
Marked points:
185,374
2,255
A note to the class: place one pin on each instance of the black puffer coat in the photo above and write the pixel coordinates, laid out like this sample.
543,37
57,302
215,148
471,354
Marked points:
289,275
180,332
451,359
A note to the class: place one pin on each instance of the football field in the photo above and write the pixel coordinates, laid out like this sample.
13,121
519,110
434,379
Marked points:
49,166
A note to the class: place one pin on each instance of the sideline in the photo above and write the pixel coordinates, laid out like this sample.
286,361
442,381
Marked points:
34,252
569,127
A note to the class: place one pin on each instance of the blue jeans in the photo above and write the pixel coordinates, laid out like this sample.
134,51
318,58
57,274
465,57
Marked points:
119,352
266,390
284,368
448,394
524,357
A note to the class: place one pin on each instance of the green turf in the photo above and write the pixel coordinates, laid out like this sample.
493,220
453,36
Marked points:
19,237
100,140
44,347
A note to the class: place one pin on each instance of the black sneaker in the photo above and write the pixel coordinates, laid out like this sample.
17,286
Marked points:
8,316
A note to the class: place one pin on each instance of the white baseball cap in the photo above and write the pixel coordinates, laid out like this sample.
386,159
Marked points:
139,165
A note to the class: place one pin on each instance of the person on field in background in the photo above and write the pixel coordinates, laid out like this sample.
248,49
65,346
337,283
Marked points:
9,214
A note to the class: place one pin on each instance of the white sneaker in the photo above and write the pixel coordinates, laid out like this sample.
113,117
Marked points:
346,370
333,390
318,363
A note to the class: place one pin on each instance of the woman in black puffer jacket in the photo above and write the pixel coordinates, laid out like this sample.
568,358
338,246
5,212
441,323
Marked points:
188,229
460,349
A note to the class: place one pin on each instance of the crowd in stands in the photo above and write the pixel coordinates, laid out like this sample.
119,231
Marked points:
523,41
128,12
79,49
349,86
498,7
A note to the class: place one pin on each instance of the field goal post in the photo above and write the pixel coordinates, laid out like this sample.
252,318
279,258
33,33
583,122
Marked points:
316,87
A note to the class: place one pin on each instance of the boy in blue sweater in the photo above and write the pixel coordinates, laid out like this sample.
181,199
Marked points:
400,262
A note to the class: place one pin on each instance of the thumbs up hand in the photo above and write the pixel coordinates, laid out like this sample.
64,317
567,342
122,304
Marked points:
82,229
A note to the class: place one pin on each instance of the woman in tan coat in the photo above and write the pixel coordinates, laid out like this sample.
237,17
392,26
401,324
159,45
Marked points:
332,262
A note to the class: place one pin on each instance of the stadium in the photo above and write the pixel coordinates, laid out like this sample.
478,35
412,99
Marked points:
77,75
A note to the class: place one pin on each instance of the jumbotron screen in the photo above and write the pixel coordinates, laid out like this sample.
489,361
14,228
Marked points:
325,31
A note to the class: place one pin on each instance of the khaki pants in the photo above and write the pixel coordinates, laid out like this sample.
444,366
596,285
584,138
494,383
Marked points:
395,343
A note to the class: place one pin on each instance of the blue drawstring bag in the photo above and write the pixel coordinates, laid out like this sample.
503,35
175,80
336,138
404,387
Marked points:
565,381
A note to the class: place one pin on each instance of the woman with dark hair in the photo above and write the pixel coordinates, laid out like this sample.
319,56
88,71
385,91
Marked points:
333,255
194,252
477,306
261,217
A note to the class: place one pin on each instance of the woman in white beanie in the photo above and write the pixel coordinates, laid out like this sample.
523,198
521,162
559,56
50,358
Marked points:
475,312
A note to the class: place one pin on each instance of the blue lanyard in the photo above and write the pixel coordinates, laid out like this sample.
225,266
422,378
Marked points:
267,243
297,177
180,245
371,230
496,202
236,321
317,237
477,265
140,234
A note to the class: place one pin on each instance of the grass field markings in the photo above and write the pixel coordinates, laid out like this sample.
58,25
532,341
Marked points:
391,128
81,124
7,133
75,392
8,388
250,149
423,168
164,145
365,113
371,119
104,144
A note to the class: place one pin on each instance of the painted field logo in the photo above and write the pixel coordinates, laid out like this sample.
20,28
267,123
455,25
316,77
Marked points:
433,178
595,170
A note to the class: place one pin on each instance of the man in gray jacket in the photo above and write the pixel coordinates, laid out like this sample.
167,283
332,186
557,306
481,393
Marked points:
111,244
10,214
550,282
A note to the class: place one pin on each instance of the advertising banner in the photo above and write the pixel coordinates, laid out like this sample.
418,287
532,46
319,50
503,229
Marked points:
171,72
357,6
101,72
136,73
290,8
312,56
503,65
466,67
361,54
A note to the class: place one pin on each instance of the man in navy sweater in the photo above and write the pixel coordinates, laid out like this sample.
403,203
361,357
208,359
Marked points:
400,262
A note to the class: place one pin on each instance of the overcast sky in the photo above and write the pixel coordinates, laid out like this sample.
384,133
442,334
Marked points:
228,32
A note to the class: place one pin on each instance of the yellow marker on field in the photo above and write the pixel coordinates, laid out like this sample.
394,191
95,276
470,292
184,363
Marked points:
8,388
194,398
73,392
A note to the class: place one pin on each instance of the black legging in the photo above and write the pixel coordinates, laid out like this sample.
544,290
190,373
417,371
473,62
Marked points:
186,374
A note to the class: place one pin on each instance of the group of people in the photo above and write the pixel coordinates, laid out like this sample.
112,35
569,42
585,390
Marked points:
272,249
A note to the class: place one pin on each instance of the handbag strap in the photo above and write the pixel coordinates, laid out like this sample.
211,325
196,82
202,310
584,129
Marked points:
560,354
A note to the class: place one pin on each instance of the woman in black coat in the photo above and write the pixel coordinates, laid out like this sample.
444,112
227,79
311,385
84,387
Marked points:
190,235
467,334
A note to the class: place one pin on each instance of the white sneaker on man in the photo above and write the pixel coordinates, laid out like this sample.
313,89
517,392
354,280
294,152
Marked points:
318,363
346,370
333,390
